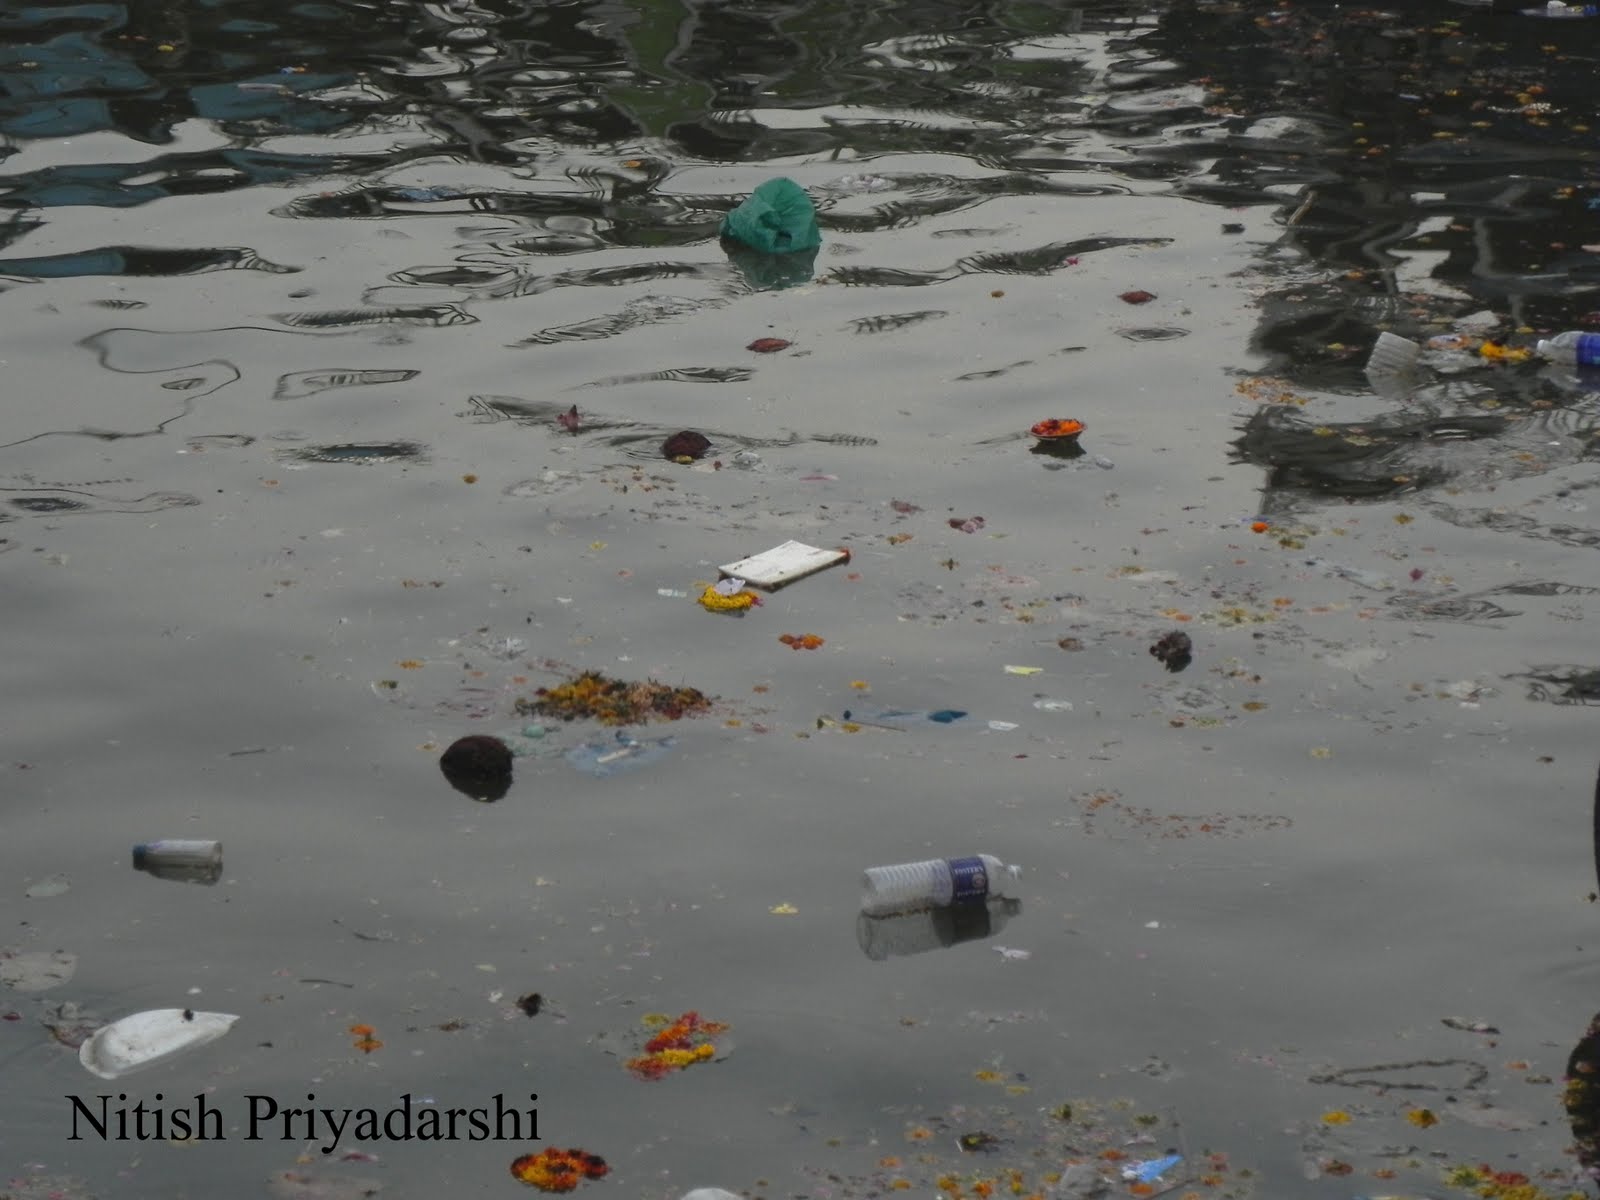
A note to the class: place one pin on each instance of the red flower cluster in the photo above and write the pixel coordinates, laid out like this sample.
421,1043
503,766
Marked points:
556,1170
682,1044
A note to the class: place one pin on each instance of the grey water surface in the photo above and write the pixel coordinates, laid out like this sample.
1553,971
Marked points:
294,302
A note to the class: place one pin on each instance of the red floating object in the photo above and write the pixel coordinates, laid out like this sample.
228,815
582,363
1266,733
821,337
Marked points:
768,345
1138,296
1054,429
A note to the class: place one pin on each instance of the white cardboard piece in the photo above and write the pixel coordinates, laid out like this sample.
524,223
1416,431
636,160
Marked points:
771,569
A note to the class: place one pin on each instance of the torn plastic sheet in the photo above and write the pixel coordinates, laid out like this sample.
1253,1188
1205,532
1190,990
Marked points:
606,756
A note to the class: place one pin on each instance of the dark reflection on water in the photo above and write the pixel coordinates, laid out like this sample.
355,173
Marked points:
1438,162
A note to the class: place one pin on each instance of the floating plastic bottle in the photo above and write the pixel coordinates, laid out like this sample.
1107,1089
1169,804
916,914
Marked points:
1574,346
1557,9
910,887
185,860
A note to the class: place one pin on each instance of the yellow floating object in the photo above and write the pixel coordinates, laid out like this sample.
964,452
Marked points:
714,601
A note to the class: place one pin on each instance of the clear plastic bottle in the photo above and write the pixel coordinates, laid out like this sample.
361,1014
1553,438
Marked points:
908,887
181,859
1574,346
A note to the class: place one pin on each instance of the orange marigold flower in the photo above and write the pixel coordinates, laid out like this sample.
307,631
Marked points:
1260,526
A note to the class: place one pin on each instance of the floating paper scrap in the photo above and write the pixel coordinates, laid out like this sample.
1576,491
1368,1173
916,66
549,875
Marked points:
771,569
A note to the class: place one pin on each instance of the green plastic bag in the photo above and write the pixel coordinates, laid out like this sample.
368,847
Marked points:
776,218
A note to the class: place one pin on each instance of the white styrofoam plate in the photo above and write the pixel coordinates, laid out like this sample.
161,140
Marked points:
147,1038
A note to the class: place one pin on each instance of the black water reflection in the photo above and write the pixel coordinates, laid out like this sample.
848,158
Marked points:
1439,162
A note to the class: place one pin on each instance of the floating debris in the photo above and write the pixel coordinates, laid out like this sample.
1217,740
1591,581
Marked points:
685,446
681,1044
768,345
800,641
602,757
594,696
1056,429
728,596
1175,650
36,970
777,218
478,766
783,564
146,1038
1137,296
557,1170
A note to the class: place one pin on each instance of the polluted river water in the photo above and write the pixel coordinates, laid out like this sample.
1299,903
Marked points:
343,347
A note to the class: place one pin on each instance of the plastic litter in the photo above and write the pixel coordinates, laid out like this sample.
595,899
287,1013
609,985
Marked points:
1152,1170
709,1193
772,569
603,757
36,970
1394,366
777,218
896,718
1373,580
900,934
147,1038
1575,347
935,883
181,859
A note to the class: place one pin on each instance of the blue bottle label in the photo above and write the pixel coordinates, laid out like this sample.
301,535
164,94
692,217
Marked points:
969,879
1587,352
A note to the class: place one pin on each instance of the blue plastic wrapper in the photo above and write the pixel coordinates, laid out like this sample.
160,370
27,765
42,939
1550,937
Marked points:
606,756
1152,1170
